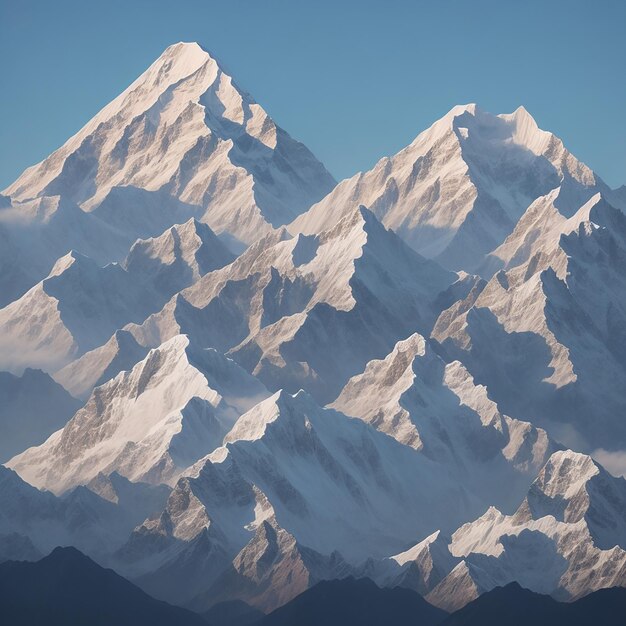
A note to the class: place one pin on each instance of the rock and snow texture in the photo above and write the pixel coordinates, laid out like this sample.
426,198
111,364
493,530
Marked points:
32,407
76,308
457,191
80,304
546,335
185,129
100,365
35,233
287,304
147,424
299,493
178,257
421,568
292,482
567,538
118,278
434,407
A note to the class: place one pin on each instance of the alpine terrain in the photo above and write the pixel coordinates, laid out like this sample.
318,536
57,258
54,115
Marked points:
250,395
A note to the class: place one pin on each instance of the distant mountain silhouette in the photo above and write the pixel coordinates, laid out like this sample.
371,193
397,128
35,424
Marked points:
515,606
66,588
352,602
233,613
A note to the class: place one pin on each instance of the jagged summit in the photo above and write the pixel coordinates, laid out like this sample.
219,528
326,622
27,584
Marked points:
186,130
189,53
456,192
566,539
318,390
149,423
560,296
352,290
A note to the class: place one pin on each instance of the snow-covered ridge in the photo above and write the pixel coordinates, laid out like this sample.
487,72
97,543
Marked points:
207,376
298,468
436,408
77,307
543,333
458,189
568,537
95,519
565,539
186,129
286,303
149,423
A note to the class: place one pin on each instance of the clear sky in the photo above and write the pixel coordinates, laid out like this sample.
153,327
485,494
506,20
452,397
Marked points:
353,79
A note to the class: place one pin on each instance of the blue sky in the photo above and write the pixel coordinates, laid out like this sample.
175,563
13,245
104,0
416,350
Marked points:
354,80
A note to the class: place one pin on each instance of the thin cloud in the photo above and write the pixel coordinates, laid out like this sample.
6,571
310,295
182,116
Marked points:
614,462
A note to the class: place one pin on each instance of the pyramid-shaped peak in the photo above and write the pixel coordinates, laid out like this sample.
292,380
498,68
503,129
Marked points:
179,63
187,47
187,55
522,113
414,551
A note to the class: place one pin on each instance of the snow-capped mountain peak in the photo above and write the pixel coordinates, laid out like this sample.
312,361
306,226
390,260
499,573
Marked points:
456,192
320,380
566,539
184,128
572,487
149,423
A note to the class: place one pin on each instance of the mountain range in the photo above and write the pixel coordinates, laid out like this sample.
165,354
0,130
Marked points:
236,382
82,592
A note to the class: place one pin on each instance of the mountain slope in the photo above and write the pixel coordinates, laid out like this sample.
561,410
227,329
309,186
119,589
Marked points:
297,494
98,366
546,336
287,303
32,407
35,233
350,601
515,606
74,309
77,307
434,407
233,613
15,546
539,229
67,587
185,129
148,423
97,524
420,568
458,189
178,257
567,538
